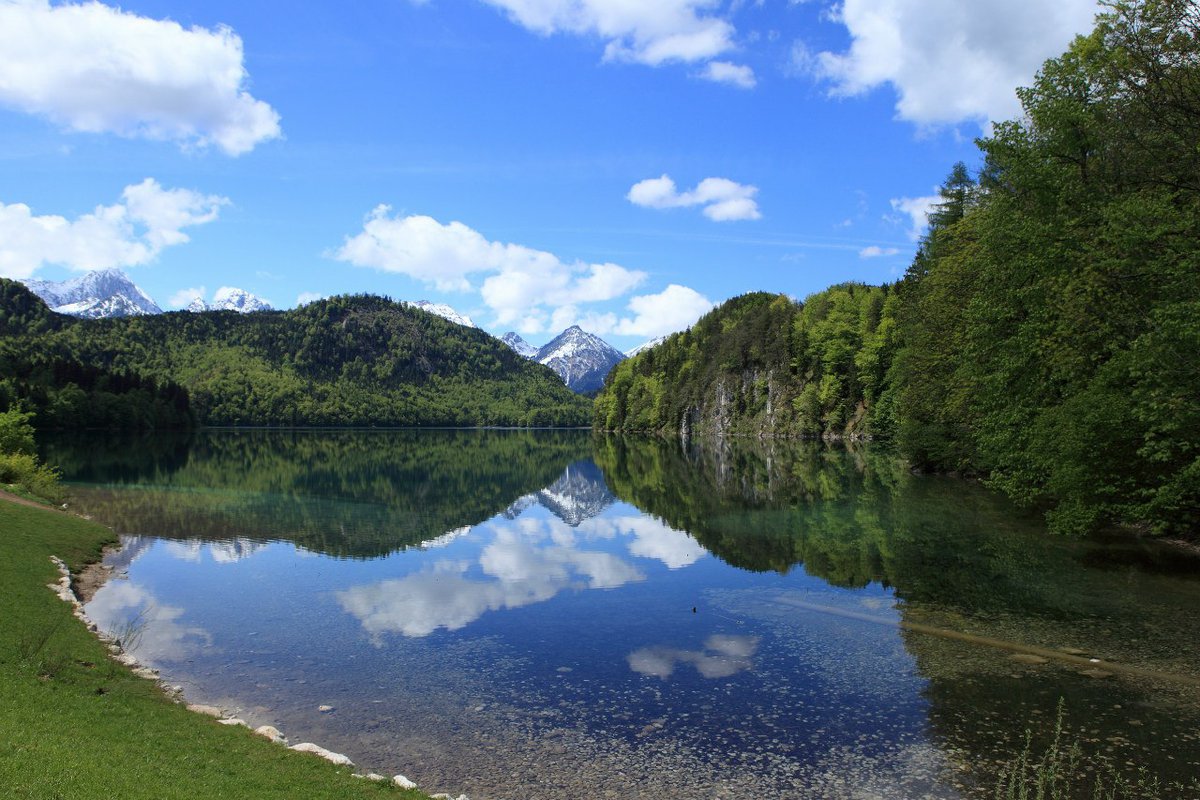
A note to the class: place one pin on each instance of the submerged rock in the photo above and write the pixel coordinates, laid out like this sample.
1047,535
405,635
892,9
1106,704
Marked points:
1029,658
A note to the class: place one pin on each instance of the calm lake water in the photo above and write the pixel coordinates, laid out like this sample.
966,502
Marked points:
517,614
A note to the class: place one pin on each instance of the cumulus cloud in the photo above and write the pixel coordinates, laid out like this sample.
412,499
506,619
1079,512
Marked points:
184,297
672,309
646,33
524,287
134,231
875,251
948,61
93,68
738,75
917,210
720,199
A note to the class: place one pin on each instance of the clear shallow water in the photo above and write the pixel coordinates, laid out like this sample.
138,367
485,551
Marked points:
524,615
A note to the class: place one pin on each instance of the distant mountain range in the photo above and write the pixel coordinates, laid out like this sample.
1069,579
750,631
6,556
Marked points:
580,359
228,298
102,293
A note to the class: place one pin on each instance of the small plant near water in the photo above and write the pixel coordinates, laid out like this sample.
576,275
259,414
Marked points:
1063,773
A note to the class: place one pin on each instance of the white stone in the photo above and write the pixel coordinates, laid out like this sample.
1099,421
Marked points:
271,732
328,755
234,721
211,711
403,782
147,673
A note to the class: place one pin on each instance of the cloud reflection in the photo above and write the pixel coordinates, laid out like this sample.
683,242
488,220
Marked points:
722,656
651,539
226,552
527,562
149,630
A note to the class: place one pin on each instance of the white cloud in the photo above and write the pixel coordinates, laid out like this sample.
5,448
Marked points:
93,68
304,298
522,286
722,200
184,297
644,32
949,61
672,309
917,209
134,231
875,251
738,75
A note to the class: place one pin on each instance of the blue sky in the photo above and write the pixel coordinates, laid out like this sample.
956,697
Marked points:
533,163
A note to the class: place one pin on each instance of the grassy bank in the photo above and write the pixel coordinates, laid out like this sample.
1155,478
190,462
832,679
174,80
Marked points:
77,725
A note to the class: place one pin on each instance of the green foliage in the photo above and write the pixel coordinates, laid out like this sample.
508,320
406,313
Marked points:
16,433
1047,334
352,360
761,363
20,468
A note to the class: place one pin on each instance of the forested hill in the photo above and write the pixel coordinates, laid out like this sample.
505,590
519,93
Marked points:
1047,334
352,360
762,364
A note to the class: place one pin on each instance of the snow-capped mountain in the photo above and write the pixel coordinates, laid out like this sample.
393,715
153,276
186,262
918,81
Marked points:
514,340
102,293
645,346
580,358
442,310
227,298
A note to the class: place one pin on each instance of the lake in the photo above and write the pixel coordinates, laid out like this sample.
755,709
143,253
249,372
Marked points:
552,614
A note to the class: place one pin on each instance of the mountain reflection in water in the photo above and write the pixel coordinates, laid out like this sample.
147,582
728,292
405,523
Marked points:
537,613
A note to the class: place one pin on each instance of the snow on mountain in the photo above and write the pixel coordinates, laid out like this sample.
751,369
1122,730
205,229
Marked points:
580,358
101,293
514,340
228,298
442,310
645,346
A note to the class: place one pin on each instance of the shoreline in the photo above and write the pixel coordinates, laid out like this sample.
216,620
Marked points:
236,760
78,589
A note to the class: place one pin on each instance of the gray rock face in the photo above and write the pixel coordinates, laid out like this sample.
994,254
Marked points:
101,293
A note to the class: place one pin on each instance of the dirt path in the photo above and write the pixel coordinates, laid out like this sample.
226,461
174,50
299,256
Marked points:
21,501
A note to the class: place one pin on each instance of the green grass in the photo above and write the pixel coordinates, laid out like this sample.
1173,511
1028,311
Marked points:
75,725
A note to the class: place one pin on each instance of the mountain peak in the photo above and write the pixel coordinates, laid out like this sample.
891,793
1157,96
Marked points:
523,348
230,298
580,358
99,293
